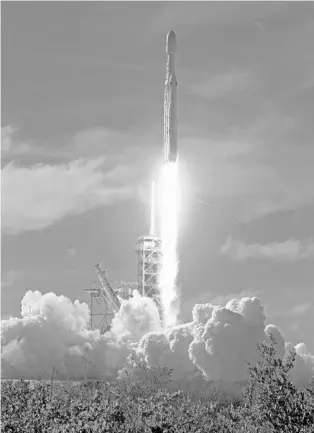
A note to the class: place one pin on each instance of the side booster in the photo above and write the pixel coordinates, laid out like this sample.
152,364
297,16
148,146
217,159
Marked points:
170,102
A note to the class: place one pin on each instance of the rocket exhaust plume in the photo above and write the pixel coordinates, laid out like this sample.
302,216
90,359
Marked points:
169,235
152,212
169,190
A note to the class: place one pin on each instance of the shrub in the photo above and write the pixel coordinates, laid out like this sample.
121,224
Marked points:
144,403
271,397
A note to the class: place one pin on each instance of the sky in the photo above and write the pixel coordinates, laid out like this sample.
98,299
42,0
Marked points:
82,135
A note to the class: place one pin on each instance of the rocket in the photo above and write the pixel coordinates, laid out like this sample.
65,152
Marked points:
170,102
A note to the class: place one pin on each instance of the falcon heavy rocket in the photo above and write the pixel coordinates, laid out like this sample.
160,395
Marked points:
170,102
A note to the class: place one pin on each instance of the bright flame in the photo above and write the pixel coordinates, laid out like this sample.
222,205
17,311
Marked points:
169,234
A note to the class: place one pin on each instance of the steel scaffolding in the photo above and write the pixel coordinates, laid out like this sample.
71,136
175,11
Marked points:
149,267
102,309
101,313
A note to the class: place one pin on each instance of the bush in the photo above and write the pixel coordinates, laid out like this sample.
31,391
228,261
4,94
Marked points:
144,402
271,397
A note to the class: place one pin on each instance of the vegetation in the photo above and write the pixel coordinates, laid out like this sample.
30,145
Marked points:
148,402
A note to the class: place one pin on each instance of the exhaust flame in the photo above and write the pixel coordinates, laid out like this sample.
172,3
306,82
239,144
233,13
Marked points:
169,234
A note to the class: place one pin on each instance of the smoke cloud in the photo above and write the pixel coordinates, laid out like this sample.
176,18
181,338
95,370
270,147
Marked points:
52,338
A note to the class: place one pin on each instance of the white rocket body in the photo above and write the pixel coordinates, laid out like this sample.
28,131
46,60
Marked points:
170,102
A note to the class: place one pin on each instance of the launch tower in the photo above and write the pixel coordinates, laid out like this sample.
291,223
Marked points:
149,267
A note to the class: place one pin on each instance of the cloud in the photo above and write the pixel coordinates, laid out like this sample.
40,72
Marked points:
130,155
71,252
294,311
10,277
303,370
27,151
99,141
300,309
288,251
190,16
212,86
215,298
224,298
87,144
41,184
10,146
253,171
40,195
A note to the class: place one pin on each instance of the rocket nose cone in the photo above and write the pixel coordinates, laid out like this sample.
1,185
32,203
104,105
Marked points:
171,45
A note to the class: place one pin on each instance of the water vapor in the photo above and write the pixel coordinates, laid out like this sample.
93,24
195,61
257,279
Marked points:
52,338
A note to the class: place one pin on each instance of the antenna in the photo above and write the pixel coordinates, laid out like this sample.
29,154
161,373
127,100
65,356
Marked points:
152,212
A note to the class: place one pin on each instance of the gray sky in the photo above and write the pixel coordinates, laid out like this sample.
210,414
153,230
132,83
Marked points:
82,109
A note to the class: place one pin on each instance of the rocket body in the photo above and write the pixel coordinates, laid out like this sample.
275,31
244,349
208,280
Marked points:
170,102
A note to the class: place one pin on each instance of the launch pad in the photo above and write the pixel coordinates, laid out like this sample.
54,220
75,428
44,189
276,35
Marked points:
105,301
149,248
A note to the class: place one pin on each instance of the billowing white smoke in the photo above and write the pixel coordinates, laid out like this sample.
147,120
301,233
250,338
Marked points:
228,339
137,316
303,370
169,349
53,335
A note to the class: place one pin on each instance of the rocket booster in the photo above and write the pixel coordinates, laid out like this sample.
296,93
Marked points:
170,102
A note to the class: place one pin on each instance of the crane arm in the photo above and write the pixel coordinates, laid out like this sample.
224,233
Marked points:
114,300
